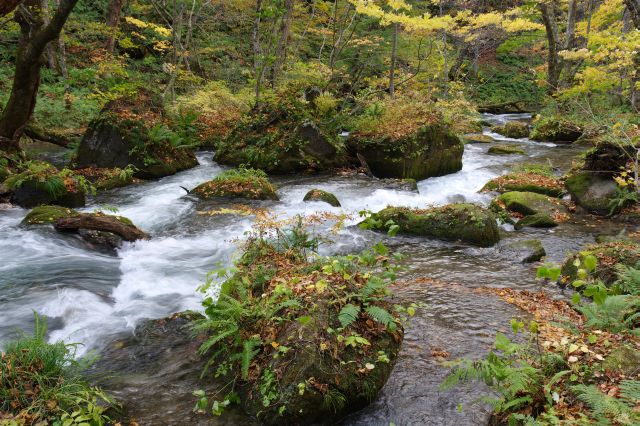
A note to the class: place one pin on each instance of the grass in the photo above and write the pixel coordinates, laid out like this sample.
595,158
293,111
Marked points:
41,383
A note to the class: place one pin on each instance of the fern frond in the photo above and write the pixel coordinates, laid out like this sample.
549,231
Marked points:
603,406
382,316
630,390
348,314
248,352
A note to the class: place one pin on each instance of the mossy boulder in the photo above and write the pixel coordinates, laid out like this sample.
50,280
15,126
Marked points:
526,182
32,193
106,178
127,133
555,129
608,254
512,129
528,203
320,195
608,159
454,222
503,149
538,220
283,136
400,184
321,354
432,150
477,138
47,214
525,251
623,360
250,184
593,192
40,183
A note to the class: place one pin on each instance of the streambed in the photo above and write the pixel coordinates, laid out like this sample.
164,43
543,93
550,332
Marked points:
97,298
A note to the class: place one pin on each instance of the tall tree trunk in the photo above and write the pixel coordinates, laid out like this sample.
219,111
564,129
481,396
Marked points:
33,40
50,51
394,59
634,10
283,42
257,51
554,65
8,6
570,38
113,20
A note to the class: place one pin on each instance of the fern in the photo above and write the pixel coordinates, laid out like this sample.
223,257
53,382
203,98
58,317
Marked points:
248,352
630,390
382,316
605,406
348,314
615,314
628,279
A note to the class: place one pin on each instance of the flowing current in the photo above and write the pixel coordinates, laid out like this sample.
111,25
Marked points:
90,297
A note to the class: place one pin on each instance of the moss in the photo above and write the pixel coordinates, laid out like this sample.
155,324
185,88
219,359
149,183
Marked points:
526,251
513,129
526,182
555,129
454,222
527,203
107,178
623,360
592,192
504,149
538,220
242,183
433,150
320,195
477,138
47,214
608,255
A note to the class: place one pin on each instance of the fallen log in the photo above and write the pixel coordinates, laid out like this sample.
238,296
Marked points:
96,222
41,135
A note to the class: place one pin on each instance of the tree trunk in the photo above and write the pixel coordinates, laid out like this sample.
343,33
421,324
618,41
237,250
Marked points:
50,50
8,6
633,6
257,51
283,43
94,222
394,59
554,66
634,9
33,40
113,20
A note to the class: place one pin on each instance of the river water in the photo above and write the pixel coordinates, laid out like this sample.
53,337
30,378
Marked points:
93,297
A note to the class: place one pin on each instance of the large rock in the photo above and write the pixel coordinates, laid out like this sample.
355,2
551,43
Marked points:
324,196
525,251
512,129
504,149
477,138
526,182
122,136
555,129
40,183
433,150
608,159
454,222
593,192
538,220
32,193
528,203
281,138
237,183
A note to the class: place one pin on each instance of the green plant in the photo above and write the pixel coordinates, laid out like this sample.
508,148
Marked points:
619,410
616,313
628,281
42,381
623,197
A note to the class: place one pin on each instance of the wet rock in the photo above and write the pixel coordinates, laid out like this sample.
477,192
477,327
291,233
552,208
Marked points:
526,251
477,138
593,192
607,159
121,136
538,220
433,150
400,184
554,129
454,222
33,193
320,195
512,129
526,182
237,183
608,254
106,178
528,203
117,225
505,150
47,214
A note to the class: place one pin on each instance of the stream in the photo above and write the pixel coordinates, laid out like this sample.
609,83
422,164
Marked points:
95,298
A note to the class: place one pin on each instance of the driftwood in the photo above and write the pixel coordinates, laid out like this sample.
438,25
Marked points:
96,222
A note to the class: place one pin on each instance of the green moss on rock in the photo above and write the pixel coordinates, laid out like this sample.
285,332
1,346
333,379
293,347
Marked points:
526,182
432,150
555,129
477,138
623,360
454,222
528,203
538,220
525,251
505,150
238,183
512,129
592,192
320,195
47,214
